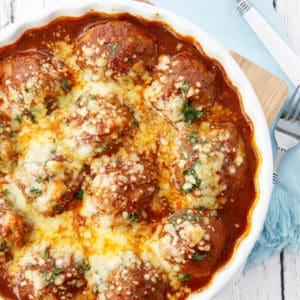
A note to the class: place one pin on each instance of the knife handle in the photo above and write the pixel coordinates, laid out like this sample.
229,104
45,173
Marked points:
281,52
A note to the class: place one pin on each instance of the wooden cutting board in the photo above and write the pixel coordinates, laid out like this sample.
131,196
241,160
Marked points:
270,90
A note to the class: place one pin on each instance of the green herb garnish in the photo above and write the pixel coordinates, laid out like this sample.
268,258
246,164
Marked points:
40,179
57,207
135,122
101,148
174,223
55,271
190,113
199,256
184,277
7,193
65,84
35,191
83,268
79,194
30,115
46,255
133,218
3,246
114,47
193,137
191,186
19,118
184,89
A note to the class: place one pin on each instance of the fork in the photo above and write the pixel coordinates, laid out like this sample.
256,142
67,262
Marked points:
287,130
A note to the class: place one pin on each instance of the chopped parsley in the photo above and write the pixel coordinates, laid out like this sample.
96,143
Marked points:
184,89
114,47
30,115
190,113
46,255
184,277
65,84
187,214
174,223
79,194
193,137
19,118
40,179
83,268
199,256
55,271
35,191
101,148
188,186
3,246
57,207
135,122
51,276
133,218
7,193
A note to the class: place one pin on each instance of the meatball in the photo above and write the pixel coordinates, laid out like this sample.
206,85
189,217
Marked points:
50,276
97,125
182,88
135,280
193,240
48,179
115,48
212,166
33,78
14,229
7,149
124,186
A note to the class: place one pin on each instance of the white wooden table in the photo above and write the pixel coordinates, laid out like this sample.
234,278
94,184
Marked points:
279,277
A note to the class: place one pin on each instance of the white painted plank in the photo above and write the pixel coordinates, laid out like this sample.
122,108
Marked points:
5,12
261,282
291,275
289,13
25,8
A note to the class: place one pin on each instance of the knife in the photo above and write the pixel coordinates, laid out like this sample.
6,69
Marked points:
281,52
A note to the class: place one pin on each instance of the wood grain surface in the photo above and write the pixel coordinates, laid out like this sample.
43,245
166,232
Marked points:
270,90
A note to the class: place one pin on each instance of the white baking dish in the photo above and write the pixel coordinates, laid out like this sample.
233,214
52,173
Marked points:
250,103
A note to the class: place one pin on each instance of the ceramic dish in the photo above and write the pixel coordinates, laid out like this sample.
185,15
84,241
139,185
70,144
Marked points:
249,101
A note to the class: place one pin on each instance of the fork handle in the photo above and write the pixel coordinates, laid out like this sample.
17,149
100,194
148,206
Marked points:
277,161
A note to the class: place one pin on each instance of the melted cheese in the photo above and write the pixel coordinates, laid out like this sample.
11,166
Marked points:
48,149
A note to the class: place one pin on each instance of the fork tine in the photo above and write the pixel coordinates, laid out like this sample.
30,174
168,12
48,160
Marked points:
289,106
296,112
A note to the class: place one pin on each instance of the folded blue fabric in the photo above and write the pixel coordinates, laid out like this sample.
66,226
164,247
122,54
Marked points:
221,20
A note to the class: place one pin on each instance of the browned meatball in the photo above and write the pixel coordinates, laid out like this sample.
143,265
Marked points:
193,240
124,186
49,276
116,47
212,166
14,229
182,88
137,280
48,179
97,125
32,78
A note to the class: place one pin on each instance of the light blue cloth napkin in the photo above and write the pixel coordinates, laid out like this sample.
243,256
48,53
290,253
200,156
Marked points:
221,20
